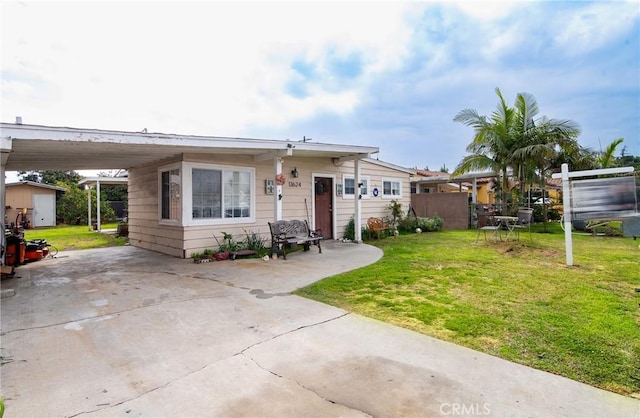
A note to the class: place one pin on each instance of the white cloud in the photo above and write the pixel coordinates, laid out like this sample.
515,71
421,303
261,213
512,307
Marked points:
595,25
226,64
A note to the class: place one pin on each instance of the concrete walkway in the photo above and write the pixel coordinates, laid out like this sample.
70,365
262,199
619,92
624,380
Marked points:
126,332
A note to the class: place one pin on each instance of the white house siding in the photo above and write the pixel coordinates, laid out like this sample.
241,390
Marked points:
146,231
370,206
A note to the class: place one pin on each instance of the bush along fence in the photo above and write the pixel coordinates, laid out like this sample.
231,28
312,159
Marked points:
402,223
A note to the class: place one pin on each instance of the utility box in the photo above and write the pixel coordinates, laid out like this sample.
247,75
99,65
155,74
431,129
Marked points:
631,227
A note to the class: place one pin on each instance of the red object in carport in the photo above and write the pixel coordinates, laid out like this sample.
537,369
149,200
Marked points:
33,255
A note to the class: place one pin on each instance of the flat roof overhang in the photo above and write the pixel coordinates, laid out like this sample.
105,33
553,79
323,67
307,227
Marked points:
34,147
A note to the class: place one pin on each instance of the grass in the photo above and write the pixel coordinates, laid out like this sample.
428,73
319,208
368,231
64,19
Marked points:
76,237
515,300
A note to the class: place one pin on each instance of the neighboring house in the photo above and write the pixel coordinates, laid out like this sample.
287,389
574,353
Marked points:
36,200
184,190
425,181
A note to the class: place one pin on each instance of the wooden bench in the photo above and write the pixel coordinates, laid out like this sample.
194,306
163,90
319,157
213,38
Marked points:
377,225
294,232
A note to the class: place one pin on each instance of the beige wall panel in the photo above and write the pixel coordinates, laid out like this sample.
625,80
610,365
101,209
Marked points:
297,201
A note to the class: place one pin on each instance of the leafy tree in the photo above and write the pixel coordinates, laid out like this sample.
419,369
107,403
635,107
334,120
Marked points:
72,205
629,161
50,176
114,193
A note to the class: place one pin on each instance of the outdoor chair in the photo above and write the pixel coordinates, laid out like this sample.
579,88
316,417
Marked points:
487,223
525,217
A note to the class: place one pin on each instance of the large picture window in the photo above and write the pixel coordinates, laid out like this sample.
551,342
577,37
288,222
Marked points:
170,194
221,193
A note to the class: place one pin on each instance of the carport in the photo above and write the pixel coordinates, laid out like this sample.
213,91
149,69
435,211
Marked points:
34,147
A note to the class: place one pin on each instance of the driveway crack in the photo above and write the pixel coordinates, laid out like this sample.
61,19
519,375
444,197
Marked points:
296,382
240,353
292,331
107,314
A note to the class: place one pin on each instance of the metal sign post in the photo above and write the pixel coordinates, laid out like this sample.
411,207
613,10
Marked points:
565,175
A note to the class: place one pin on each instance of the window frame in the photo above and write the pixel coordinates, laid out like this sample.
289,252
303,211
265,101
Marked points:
185,215
350,196
161,170
392,196
189,220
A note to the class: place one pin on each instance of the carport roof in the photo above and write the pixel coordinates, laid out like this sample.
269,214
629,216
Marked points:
34,147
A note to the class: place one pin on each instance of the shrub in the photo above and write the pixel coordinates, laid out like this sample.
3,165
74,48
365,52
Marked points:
552,213
254,242
410,224
350,230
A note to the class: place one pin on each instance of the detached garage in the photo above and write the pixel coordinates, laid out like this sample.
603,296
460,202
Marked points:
39,200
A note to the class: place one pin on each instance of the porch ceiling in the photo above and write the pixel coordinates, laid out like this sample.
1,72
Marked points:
32,147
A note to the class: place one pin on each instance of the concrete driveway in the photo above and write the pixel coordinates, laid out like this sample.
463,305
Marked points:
127,332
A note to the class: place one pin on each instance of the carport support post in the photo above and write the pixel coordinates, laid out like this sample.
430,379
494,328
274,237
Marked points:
89,207
98,205
277,196
357,217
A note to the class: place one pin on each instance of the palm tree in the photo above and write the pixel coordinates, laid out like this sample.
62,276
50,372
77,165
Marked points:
492,145
514,138
606,158
544,140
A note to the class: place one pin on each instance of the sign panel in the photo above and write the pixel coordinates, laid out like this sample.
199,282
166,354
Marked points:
603,198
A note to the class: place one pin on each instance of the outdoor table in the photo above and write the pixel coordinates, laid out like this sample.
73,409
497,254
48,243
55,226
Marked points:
506,223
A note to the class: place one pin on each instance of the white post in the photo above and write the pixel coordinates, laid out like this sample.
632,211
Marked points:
566,204
98,204
357,216
3,242
277,197
89,207
474,191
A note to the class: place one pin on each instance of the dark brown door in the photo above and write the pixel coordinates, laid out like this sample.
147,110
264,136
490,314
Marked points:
324,205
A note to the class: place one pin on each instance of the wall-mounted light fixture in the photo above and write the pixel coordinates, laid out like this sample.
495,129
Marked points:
294,172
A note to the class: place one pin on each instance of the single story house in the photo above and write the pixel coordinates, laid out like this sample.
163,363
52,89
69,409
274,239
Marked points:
36,201
186,189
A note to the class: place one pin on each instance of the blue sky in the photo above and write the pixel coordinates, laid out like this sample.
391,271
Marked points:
387,74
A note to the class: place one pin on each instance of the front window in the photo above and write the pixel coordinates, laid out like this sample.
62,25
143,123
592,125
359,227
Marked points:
221,193
391,188
349,189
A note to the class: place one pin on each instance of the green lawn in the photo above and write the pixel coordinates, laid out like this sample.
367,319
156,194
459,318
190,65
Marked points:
515,300
75,237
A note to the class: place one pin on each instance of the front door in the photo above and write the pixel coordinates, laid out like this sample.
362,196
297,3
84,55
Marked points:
324,205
